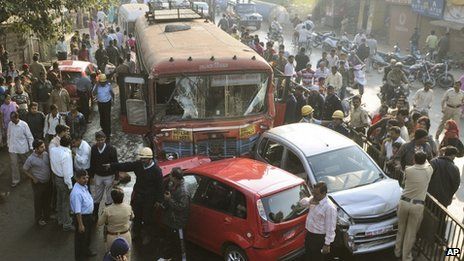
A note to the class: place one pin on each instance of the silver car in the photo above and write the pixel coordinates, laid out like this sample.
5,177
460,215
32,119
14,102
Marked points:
366,198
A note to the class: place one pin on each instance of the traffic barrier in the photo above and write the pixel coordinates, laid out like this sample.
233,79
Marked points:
441,236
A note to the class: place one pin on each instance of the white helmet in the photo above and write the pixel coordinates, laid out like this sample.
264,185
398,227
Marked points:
145,153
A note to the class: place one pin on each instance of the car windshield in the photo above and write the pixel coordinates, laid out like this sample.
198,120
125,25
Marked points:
285,205
246,8
70,77
344,169
206,97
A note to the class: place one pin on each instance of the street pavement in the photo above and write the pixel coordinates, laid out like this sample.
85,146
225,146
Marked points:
22,240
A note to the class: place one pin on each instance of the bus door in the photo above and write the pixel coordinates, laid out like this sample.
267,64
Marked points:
281,90
133,92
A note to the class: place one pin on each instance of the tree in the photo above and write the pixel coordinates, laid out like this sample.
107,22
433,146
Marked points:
43,16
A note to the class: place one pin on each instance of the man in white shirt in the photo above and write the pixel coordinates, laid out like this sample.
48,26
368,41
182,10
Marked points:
51,121
335,79
19,139
322,71
290,67
394,137
61,162
61,49
303,36
81,151
358,37
320,223
423,99
332,58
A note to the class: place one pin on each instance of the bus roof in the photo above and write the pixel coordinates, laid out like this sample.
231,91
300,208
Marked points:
201,49
133,11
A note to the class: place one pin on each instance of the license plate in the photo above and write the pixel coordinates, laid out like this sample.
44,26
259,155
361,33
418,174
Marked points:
378,231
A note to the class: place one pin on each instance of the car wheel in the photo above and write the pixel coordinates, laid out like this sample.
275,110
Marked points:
234,253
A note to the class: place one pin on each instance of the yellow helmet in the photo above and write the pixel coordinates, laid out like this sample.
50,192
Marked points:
338,114
145,153
306,110
102,78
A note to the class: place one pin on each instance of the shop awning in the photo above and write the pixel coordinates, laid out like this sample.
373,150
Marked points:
448,24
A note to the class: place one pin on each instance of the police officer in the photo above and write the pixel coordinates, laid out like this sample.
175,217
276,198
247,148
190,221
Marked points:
307,115
338,125
148,190
103,91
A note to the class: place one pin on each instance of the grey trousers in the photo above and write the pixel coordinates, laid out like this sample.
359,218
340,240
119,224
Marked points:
17,161
62,202
103,185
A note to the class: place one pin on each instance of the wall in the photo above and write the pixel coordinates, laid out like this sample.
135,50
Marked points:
402,23
21,47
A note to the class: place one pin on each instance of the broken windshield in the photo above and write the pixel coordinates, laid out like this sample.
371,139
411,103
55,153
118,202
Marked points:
205,97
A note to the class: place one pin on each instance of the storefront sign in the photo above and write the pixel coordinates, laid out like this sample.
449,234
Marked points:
431,8
454,13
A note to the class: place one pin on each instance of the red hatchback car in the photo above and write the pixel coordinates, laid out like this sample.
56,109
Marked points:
246,210
72,71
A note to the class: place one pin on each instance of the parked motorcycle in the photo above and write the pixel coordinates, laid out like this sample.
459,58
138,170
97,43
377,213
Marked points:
444,79
332,42
379,62
318,38
421,71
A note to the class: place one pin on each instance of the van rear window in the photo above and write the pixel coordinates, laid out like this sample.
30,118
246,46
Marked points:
285,205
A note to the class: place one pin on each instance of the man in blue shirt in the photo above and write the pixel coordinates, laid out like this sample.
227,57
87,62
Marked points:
82,208
105,95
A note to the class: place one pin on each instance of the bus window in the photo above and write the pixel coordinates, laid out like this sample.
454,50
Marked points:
205,97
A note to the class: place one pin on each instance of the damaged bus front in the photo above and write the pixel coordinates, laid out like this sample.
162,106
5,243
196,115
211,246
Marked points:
203,92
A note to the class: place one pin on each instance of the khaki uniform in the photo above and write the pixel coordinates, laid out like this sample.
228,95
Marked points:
410,214
451,108
117,219
359,120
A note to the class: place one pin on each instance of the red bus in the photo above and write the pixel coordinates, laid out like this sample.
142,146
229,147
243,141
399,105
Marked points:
201,92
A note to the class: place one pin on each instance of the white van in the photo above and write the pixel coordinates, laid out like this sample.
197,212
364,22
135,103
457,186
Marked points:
366,198
128,14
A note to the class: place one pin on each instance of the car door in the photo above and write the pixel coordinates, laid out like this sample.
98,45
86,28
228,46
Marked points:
193,185
220,215
293,164
270,151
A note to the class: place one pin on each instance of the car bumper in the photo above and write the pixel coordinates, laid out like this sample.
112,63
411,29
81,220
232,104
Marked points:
289,251
371,237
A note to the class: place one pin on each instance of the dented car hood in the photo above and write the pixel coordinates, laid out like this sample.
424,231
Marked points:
369,200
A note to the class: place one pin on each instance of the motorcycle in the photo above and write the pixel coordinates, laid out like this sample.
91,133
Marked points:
332,42
390,95
318,38
421,71
444,79
276,35
379,62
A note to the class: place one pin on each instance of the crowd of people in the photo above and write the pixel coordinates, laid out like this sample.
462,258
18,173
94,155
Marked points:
43,128
39,115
